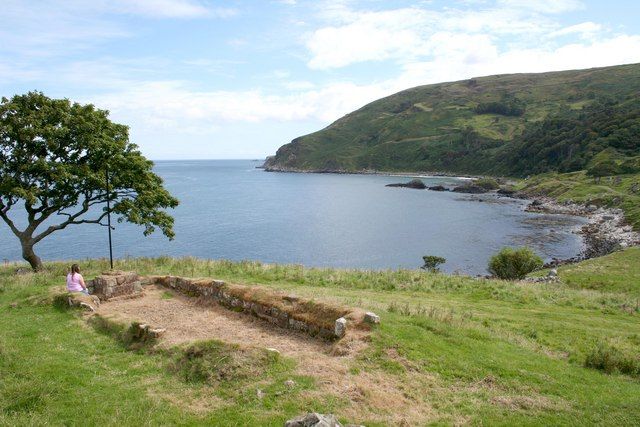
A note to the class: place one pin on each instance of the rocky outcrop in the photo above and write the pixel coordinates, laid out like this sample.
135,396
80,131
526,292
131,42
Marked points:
470,189
438,188
416,184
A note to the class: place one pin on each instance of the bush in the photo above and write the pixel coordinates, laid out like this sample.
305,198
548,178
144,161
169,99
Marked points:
610,359
510,263
603,168
487,183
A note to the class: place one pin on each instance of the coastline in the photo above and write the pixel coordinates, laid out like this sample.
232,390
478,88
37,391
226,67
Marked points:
606,230
405,174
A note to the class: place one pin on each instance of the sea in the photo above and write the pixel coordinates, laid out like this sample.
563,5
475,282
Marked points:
230,209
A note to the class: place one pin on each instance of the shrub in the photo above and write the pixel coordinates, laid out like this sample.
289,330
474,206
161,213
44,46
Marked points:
432,262
487,183
603,168
610,359
510,263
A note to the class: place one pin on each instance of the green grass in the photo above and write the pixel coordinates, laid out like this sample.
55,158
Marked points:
462,350
611,273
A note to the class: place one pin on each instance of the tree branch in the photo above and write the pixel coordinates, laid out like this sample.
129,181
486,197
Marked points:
71,221
3,214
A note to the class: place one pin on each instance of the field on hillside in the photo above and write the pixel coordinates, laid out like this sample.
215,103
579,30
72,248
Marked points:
449,350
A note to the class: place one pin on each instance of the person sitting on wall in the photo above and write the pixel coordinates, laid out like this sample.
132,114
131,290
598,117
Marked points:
75,281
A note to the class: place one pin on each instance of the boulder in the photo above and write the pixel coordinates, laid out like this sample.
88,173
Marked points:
340,327
314,419
553,273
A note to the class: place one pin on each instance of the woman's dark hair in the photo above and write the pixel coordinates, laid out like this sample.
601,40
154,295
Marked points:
75,268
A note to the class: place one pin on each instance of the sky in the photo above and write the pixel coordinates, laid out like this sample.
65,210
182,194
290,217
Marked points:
206,79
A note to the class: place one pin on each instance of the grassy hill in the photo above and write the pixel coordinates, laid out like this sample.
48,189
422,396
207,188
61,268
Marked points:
449,350
512,125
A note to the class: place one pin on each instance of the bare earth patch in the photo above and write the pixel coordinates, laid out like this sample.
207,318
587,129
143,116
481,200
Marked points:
188,319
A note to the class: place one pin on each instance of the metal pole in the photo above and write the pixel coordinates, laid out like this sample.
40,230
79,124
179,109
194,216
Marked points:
106,173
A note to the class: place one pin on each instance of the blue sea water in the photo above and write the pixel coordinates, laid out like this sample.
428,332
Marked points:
229,209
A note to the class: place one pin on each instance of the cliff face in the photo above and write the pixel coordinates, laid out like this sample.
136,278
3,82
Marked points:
508,124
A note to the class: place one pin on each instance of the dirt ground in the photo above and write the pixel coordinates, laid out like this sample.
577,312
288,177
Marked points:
186,319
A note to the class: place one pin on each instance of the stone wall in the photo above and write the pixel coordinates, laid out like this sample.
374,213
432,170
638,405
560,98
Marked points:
113,284
286,311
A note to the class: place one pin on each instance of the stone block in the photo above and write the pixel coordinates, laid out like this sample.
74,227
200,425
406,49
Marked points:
372,318
340,327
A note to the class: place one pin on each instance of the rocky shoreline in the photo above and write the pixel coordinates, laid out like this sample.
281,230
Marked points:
606,230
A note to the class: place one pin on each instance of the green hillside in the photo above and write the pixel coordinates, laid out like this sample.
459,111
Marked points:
513,125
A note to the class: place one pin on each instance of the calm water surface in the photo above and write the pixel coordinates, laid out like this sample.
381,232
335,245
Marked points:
231,210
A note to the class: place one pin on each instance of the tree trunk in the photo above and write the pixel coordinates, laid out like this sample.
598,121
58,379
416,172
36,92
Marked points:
30,256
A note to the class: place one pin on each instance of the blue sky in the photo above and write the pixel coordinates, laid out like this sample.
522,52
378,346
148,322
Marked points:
198,79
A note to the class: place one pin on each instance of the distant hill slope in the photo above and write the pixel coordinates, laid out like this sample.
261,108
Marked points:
515,125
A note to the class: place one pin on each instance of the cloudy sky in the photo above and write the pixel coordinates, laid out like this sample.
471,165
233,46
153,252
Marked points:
202,79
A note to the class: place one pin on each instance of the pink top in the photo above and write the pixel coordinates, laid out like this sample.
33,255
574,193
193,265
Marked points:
74,282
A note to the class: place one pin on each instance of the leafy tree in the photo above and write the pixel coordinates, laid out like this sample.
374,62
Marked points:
510,264
54,156
431,263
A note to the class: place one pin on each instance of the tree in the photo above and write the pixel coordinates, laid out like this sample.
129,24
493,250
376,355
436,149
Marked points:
431,263
54,156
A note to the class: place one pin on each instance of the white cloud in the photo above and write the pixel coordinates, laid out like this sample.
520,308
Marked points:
585,29
544,6
407,33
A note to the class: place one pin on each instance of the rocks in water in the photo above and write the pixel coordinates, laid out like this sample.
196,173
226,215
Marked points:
340,327
437,188
314,419
470,189
414,183
372,318
504,191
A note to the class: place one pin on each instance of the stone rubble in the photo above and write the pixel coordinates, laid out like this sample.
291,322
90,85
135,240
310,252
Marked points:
314,419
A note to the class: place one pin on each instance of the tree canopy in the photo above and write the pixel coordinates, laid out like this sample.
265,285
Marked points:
54,157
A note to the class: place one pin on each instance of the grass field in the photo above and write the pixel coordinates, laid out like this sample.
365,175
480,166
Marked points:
461,350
